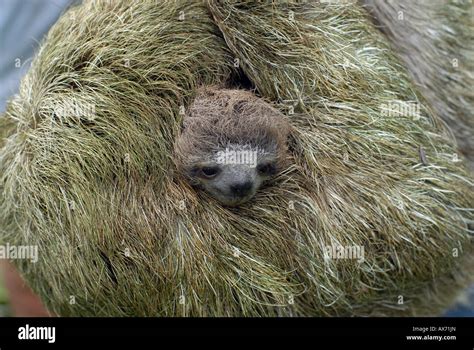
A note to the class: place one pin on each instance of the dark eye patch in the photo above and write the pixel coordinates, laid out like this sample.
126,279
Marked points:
204,170
210,171
267,169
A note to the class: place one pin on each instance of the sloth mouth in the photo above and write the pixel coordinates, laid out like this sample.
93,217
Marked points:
232,200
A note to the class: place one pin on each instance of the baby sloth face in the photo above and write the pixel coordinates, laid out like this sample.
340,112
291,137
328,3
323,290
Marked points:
232,143
234,174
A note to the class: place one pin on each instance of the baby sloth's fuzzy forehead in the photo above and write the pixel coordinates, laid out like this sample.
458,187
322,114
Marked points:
241,154
220,119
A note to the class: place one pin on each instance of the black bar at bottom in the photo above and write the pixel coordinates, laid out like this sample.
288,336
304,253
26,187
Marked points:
449,333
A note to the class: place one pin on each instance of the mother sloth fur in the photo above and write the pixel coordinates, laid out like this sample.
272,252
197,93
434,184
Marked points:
122,232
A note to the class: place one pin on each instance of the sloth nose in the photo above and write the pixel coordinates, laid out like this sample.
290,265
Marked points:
241,189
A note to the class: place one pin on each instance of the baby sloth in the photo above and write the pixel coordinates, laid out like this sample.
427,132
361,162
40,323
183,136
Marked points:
231,144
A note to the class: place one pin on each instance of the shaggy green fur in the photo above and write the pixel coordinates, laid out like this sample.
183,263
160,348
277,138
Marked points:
121,234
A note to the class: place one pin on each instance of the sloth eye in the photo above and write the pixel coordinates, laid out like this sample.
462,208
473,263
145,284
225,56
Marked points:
209,171
266,169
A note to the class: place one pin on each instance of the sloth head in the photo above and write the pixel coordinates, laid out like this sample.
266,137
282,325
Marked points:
232,144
